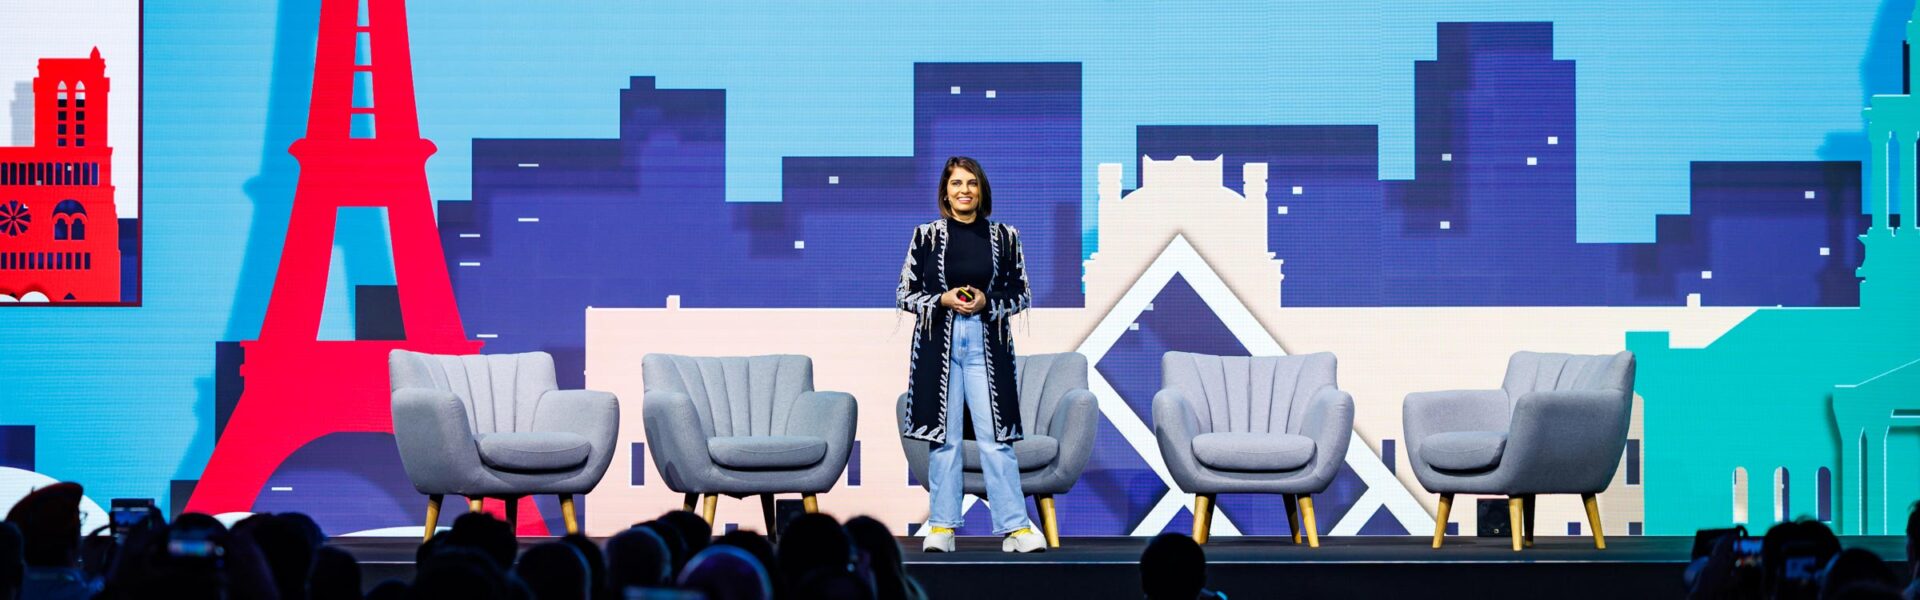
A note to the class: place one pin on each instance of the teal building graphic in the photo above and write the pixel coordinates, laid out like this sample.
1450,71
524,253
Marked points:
1796,412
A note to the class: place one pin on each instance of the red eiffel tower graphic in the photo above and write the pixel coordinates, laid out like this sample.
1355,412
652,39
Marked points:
298,388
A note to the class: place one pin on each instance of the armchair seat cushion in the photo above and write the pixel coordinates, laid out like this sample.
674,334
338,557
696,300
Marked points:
1253,452
533,451
1464,450
1033,453
766,451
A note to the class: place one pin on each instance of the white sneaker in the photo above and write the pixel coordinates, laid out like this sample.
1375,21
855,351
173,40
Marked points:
1027,541
938,542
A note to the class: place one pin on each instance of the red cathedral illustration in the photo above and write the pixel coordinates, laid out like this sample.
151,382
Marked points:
59,230
366,154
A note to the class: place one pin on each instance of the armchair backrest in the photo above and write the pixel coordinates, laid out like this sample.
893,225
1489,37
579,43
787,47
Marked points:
1248,394
500,391
1043,379
1529,372
734,395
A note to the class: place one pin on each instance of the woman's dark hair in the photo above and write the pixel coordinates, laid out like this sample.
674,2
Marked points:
890,578
972,166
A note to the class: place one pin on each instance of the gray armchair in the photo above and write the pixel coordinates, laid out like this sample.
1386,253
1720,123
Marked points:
742,426
1262,424
495,427
1557,425
1060,416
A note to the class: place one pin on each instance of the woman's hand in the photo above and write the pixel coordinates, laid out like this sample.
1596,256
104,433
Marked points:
952,300
979,302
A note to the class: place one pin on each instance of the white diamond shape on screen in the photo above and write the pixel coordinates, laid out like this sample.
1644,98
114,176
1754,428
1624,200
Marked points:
1384,491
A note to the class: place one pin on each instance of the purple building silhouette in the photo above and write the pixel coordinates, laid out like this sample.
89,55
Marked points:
1761,234
556,226
1490,218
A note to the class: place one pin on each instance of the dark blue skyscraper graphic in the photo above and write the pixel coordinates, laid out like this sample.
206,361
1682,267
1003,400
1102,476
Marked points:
556,226
1490,218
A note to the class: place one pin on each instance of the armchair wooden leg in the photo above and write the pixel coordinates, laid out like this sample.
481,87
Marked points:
1527,509
567,513
1516,519
1293,514
709,506
691,501
766,512
513,512
1440,520
810,502
433,515
1306,516
476,504
1048,523
1202,516
1593,519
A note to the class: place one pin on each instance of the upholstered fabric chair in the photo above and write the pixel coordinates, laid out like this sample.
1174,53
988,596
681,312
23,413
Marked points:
1262,424
1557,425
494,426
1059,416
742,426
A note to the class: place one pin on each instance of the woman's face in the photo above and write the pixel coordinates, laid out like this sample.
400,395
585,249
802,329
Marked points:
963,193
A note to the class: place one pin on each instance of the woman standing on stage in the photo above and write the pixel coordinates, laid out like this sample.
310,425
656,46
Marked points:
964,278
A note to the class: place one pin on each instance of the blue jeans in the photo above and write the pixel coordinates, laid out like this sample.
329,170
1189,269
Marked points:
967,386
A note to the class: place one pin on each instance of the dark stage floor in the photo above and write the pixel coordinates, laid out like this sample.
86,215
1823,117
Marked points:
1263,567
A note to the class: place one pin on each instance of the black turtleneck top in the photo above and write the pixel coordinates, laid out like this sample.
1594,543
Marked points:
969,254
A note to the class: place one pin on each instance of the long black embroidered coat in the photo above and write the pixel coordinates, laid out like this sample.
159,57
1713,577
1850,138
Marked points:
922,281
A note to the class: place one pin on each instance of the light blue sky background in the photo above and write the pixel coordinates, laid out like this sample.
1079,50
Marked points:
122,398
1660,83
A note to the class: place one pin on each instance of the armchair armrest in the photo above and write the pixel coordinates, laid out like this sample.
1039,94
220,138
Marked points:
590,413
676,439
828,415
1572,438
1329,423
435,440
831,416
1174,427
1427,413
1074,421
